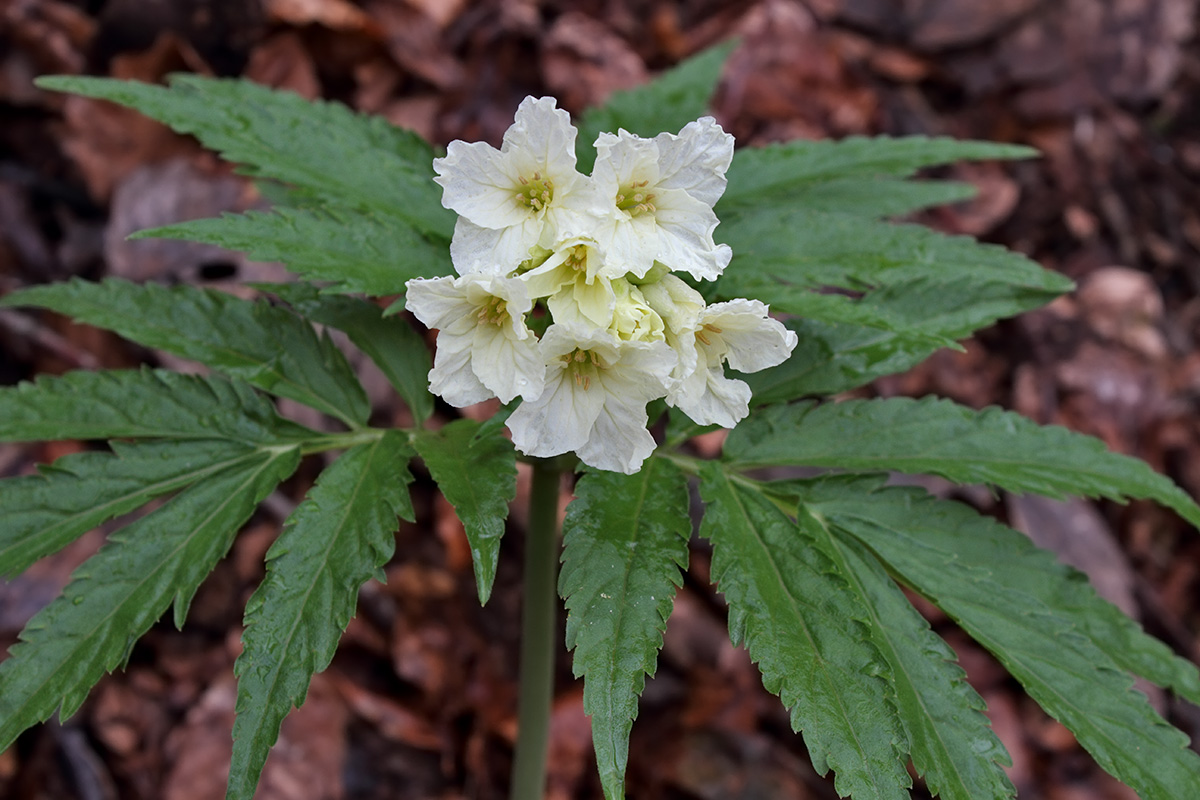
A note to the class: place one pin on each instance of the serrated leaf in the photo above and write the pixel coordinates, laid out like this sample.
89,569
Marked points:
397,349
136,404
863,197
264,345
673,99
833,357
1059,665
956,534
45,512
761,174
624,544
476,471
940,437
358,251
320,147
813,249
340,536
116,595
952,743
808,635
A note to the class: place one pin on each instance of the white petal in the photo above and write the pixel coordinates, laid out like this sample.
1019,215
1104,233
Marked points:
437,302
559,420
623,158
542,139
619,441
507,366
685,236
498,252
696,160
755,341
709,398
479,182
451,377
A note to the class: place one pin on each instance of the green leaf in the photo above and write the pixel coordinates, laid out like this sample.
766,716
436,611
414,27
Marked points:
864,197
955,534
1059,665
45,512
133,404
116,595
323,148
397,349
831,358
678,96
477,472
834,357
264,345
358,251
809,635
763,175
624,544
340,536
952,743
813,249
962,445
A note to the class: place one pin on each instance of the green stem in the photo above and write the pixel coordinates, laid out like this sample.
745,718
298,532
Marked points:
537,635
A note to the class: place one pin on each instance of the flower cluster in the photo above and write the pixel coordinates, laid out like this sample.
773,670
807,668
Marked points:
596,254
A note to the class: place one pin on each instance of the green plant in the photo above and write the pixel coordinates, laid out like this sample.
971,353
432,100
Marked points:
811,568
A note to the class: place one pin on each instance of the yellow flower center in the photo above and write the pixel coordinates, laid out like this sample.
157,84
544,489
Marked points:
536,192
493,312
634,198
583,365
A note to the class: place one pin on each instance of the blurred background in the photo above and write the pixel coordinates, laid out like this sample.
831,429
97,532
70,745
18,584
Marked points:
419,703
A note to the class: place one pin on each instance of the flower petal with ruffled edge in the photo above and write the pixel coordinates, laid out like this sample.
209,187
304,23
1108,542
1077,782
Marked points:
737,332
661,192
595,398
484,348
510,200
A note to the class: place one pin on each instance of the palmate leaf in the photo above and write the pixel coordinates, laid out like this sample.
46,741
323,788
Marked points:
953,745
762,176
476,471
116,595
264,345
808,634
812,249
678,96
321,148
953,534
862,197
1061,667
397,349
133,404
341,535
624,544
358,251
45,512
960,444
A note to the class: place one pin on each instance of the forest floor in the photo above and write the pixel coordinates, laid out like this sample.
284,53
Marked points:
419,702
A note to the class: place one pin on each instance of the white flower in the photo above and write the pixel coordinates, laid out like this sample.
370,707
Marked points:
662,192
484,349
594,403
579,288
527,193
740,333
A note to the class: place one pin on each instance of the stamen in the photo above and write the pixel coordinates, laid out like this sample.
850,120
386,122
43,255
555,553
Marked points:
587,382
708,326
521,178
700,335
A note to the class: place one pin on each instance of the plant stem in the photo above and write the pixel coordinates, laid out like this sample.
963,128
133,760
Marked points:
537,635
